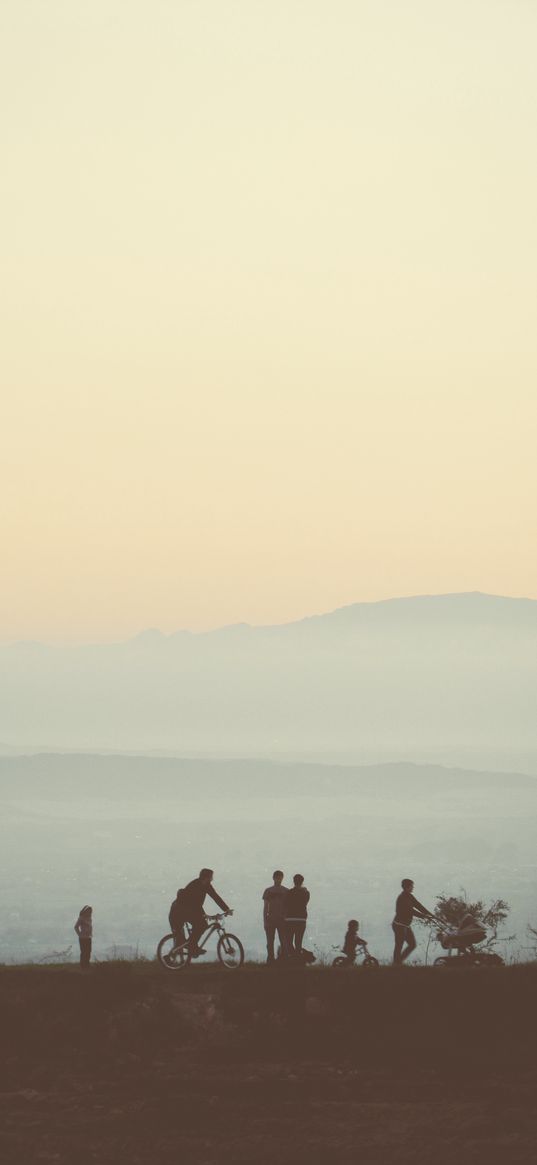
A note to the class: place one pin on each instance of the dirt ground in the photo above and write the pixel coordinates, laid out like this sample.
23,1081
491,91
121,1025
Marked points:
129,1067
296,1112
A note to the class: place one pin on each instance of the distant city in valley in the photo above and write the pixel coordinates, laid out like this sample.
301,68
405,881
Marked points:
125,832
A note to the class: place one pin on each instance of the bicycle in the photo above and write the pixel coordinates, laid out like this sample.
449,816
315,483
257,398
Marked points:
175,956
367,960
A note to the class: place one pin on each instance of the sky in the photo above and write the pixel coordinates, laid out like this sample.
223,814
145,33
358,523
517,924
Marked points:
269,298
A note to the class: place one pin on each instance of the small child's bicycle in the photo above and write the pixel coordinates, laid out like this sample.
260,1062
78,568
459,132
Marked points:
174,956
367,959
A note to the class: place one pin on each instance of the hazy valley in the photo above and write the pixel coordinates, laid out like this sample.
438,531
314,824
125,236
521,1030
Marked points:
125,832
261,717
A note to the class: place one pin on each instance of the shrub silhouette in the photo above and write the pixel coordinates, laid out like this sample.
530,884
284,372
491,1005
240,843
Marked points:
450,909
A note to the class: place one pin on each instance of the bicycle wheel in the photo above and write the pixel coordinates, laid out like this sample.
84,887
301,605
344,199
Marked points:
170,956
230,951
371,962
341,961
443,961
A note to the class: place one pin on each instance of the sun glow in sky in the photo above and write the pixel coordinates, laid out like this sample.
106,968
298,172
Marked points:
269,298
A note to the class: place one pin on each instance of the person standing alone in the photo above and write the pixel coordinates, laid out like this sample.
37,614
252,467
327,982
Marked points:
274,914
84,930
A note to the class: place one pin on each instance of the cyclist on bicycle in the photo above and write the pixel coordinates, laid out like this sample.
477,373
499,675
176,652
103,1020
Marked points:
406,908
191,909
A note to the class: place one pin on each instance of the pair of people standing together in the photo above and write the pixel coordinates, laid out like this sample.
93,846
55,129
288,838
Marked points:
285,914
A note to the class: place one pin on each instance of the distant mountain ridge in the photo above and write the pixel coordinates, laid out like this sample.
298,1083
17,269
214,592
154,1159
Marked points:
403,675
138,778
472,605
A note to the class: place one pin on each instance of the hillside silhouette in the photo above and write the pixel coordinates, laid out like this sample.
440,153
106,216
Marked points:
454,675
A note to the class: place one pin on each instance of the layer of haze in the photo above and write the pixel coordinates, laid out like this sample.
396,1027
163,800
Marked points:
269,300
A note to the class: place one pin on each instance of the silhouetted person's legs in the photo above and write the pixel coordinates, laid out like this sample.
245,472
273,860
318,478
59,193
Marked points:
297,934
280,930
85,952
199,924
399,935
287,931
270,931
405,942
411,943
179,935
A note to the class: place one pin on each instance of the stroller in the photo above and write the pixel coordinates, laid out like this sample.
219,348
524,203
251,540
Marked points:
464,939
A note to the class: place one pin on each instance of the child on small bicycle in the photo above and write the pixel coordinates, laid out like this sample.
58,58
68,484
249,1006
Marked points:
352,940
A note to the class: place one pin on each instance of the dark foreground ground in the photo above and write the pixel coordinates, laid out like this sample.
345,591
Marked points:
127,1064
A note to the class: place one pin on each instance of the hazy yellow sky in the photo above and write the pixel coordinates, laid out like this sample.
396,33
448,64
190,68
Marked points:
269,306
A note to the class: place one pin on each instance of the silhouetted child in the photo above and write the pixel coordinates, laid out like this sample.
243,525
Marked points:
352,940
84,930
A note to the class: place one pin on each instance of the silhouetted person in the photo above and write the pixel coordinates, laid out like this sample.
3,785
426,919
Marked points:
177,919
84,930
296,913
352,940
274,914
406,908
192,899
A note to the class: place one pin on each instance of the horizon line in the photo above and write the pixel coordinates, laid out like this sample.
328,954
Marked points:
155,632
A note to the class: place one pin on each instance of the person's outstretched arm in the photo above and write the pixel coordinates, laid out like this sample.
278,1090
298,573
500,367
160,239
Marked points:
216,898
420,909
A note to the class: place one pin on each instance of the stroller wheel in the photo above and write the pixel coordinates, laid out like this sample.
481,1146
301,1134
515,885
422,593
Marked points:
489,959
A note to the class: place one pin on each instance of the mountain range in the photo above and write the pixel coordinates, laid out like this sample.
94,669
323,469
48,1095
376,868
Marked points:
446,675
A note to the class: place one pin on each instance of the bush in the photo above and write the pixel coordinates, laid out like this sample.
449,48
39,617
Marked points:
450,910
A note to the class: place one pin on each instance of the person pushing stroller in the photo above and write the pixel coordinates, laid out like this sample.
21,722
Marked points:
407,908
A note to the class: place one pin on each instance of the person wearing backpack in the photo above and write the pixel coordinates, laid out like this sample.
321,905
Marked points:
191,910
177,918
